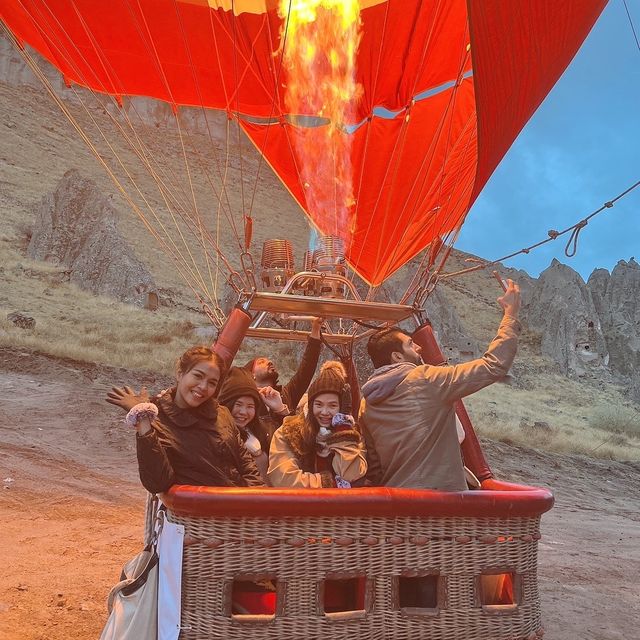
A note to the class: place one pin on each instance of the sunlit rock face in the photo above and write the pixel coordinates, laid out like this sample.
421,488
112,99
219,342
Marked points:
560,307
455,341
75,227
617,299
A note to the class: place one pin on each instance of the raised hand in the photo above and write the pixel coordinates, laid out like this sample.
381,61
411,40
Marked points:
126,398
316,326
510,301
272,399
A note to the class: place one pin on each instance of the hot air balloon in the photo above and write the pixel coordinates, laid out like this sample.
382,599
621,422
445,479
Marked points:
384,119
443,89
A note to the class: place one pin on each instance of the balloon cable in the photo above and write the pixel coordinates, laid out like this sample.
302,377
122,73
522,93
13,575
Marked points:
570,248
633,29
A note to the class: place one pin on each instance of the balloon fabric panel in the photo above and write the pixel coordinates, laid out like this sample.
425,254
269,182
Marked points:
417,166
517,57
414,188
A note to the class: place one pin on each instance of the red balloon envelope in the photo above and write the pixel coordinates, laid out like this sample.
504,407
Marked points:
446,88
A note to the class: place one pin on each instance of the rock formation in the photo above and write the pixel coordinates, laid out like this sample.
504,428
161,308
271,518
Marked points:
591,328
526,283
21,320
560,307
76,227
454,340
617,300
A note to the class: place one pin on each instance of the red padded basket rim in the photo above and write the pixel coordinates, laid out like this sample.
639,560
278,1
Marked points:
496,500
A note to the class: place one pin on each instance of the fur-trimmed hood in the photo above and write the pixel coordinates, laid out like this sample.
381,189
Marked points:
300,435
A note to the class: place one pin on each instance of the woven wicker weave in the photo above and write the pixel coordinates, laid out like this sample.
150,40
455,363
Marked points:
299,553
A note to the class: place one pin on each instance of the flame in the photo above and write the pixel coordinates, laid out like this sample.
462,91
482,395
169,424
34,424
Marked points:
321,39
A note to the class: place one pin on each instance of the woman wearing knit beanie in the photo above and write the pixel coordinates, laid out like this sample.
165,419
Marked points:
322,449
350,392
240,395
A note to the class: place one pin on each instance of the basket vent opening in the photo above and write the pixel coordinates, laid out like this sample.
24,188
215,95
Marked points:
344,595
254,598
418,593
498,591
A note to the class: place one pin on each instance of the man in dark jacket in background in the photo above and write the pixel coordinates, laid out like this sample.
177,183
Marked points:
266,374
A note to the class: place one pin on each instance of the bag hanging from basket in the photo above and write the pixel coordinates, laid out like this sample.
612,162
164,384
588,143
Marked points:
133,602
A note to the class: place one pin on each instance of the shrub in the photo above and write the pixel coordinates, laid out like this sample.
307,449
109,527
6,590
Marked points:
617,419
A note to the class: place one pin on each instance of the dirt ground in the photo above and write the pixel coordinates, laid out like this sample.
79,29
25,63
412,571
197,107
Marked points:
72,511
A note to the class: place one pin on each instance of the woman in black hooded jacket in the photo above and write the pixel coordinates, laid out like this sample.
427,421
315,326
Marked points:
183,436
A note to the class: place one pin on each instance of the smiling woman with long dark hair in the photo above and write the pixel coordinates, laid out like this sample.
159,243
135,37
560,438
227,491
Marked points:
321,449
183,436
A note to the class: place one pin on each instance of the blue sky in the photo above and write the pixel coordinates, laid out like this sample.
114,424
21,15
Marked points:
581,148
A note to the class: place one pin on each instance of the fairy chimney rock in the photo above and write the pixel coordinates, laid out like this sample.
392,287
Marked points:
617,298
76,227
598,283
560,307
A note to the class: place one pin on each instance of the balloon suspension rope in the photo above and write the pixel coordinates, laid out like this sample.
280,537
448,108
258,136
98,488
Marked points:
570,248
633,29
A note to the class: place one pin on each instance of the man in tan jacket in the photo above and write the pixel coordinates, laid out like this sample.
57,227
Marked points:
408,412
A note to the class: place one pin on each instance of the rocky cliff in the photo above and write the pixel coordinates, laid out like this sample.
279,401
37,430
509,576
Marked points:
617,300
589,329
561,308
76,227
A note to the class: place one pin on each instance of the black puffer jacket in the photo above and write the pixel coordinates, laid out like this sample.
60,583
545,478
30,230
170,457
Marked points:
199,446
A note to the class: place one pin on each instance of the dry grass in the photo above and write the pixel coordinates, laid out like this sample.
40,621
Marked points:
75,324
618,419
567,407
100,331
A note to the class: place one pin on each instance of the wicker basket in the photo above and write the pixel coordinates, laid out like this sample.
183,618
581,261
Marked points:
380,536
